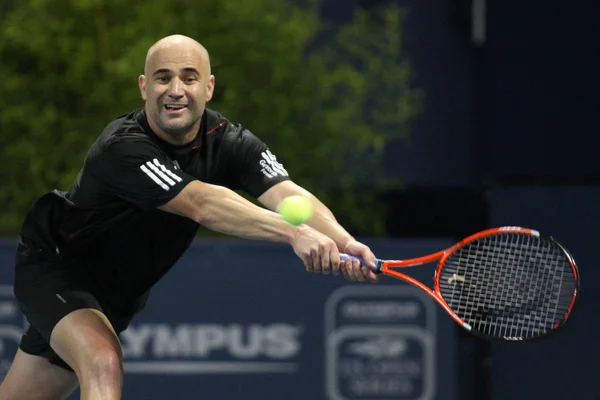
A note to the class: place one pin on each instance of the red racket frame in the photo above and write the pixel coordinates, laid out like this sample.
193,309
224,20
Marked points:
386,267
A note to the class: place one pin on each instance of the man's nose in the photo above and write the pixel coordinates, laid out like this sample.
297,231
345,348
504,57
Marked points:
176,88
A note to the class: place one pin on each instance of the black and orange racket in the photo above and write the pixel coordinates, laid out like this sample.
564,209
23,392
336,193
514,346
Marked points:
506,283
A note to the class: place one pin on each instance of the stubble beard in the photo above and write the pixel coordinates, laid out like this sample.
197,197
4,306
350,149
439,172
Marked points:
178,129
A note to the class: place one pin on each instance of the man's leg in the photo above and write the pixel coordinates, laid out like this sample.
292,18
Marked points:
60,303
86,340
33,377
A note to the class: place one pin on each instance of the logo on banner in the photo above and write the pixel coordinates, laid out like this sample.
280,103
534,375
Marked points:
211,348
379,344
11,328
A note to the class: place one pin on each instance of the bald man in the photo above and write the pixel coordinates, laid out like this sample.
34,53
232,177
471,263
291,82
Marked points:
89,257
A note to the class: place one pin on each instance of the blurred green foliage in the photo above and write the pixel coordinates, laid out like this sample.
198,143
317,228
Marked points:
325,101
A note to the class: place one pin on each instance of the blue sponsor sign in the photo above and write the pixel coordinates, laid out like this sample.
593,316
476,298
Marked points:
380,343
237,319
383,363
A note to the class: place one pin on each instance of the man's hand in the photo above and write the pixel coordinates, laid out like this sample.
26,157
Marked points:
318,252
352,269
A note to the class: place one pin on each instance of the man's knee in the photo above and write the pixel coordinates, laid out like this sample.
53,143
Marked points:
86,340
105,364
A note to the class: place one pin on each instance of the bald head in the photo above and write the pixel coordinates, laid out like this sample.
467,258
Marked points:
176,86
179,46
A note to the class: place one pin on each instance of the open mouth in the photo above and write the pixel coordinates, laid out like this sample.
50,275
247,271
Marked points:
175,107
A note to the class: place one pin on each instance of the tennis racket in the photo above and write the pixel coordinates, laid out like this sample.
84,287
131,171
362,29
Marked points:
506,283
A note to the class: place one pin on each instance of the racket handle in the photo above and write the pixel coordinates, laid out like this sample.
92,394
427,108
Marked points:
378,262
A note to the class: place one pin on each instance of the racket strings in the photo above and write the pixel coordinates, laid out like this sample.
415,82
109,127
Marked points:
509,285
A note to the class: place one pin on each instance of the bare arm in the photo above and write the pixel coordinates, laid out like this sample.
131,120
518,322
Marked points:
323,219
223,210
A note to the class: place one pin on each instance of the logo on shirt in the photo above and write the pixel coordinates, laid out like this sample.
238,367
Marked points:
162,176
270,167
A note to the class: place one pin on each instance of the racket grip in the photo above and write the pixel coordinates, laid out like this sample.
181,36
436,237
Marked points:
378,262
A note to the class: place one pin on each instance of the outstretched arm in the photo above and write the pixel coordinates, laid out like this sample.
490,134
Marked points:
325,222
223,210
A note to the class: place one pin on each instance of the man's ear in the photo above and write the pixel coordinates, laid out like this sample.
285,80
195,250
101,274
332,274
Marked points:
142,85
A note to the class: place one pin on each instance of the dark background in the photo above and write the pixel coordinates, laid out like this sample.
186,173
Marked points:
506,137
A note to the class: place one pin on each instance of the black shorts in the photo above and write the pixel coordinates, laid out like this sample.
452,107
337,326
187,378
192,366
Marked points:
47,290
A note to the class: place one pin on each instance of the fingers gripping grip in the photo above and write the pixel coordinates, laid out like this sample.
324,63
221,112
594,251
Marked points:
378,262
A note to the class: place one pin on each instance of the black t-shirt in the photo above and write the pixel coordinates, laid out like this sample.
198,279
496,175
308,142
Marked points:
108,223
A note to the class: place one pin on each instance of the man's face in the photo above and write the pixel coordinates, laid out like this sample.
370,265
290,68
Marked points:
176,88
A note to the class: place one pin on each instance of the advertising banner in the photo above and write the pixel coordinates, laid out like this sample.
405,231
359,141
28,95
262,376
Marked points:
244,320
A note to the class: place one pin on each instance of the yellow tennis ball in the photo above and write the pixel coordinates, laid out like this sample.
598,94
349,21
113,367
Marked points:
295,210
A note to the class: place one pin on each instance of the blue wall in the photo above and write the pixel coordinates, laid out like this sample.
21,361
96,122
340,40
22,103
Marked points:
541,87
520,110
239,320
569,360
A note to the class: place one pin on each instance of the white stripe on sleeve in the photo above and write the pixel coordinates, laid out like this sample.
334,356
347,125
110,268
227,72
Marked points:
167,171
153,177
158,172
277,165
271,161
